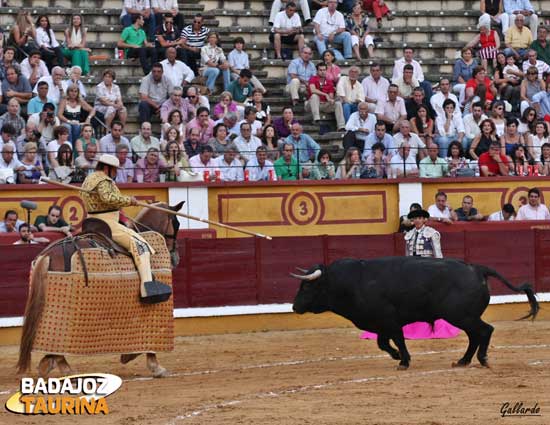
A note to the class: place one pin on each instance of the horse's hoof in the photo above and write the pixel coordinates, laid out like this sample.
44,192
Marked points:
126,358
45,366
160,372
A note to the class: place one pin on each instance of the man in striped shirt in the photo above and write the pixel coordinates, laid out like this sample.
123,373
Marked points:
193,37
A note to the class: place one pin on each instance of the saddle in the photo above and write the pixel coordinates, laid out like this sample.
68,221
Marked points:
96,227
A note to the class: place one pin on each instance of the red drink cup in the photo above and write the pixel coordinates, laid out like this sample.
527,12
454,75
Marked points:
218,175
246,175
206,175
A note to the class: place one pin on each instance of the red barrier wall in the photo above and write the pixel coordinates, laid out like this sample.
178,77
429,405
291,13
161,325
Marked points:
218,272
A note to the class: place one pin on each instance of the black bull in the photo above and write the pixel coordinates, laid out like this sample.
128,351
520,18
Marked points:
382,295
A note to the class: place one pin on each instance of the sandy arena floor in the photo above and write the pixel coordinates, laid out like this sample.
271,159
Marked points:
318,377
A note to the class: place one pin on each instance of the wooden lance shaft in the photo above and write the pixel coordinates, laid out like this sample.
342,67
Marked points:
168,211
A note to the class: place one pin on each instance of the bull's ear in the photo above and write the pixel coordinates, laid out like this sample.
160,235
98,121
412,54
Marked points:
177,207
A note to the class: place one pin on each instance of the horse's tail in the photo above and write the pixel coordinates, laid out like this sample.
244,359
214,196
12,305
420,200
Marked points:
524,287
33,311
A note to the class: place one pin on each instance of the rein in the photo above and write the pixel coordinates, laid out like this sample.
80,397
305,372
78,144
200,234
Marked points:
137,224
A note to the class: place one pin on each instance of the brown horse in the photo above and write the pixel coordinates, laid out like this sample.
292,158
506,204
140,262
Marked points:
54,258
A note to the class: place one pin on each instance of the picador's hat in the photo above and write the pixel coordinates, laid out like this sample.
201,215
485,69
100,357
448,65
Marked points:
109,160
418,213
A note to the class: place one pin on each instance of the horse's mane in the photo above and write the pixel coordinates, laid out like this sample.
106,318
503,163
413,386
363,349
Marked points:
145,210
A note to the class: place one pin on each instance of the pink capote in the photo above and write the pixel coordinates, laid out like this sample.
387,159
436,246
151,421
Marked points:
423,330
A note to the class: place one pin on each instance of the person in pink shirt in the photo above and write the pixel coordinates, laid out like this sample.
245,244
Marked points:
204,123
534,210
149,168
203,163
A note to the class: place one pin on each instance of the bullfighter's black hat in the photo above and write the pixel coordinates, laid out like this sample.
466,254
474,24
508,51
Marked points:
418,213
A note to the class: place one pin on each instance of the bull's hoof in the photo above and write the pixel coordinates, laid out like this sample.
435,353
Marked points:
403,366
460,363
484,362
160,372
395,355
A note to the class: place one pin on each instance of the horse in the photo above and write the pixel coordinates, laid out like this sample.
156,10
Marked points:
54,258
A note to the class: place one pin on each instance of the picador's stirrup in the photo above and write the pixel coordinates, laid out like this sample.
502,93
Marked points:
157,292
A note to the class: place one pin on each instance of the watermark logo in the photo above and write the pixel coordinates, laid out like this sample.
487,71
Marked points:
69,395
519,409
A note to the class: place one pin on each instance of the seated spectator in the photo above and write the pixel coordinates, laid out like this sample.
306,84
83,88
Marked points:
541,100
413,141
74,112
418,99
53,222
192,144
45,122
241,89
441,96
63,169
149,167
462,70
247,143
375,87
392,110
125,173
260,168
87,162
357,25
11,222
375,163
203,163
321,97
379,9
230,167
262,109
13,117
144,141
351,166
30,134
527,122
406,82
75,78
167,9
515,8
358,127
542,67
488,40
534,210
33,68
175,70
133,8
178,168
433,165
300,70
230,121
402,163
287,28
520,161
449,127
60,137
15,86
536,140
333,71
418,74
529,88
168,37
422,125
171,135
220,139
27,237
487,88
86,138
507,213
36,104
224,105
497,116
9,161
31,167
467,212
50,49
472,125
330,27
56,90
379,135
176,102
23,32
350,92
511,137
540,45
323,168
483,140
213,61
153,91
305,148
7,135
492,162
108,99
287,166
75,49
284,124
203,123
456,160
278,4
250,118
238,60
270,139
174,122
194,101
134,42
109,142
518,38
193,38
8,59
441,211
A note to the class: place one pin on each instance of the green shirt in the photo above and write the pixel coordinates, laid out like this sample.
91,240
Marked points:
543,53
131,35
240,94
43,219
429,168
287,171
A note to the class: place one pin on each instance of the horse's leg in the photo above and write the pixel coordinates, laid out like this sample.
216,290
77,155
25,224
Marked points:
127,358
63,365
154,366
46,365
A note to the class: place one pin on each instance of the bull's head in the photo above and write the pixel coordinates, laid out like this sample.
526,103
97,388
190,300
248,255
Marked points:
312,296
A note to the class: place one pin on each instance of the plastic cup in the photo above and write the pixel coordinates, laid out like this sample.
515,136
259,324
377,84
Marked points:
139,178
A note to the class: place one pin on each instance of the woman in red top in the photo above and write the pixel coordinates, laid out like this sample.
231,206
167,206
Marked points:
379,9
479,77
490,43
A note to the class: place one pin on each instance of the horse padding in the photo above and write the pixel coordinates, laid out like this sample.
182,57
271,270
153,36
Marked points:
105,315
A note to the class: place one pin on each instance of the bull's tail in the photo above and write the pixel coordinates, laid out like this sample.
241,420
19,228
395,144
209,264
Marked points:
524,287
33,311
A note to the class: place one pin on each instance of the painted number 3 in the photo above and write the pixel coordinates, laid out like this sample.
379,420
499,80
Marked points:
303,208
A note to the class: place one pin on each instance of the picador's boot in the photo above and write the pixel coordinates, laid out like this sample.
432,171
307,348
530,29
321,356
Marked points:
153,292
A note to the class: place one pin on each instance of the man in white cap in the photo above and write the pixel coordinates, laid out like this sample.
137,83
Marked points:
103,200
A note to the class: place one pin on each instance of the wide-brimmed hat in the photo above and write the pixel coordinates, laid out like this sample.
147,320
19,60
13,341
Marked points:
108,159
418,213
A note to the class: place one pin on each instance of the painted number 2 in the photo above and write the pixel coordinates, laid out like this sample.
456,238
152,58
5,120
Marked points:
73,215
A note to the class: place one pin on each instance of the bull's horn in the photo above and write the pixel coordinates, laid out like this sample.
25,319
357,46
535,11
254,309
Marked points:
312,276
301,270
